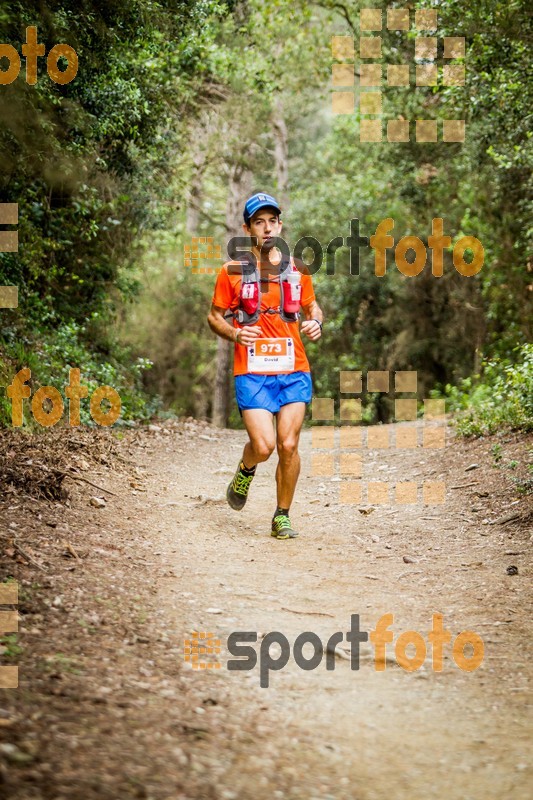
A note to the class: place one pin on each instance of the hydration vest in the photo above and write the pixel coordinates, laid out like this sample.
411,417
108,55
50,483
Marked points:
250,294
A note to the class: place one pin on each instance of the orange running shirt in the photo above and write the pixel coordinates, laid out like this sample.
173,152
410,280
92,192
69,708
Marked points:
226,296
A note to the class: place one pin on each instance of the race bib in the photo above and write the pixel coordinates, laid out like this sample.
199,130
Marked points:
271,355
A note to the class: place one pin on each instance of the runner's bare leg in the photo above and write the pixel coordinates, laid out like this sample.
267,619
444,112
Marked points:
260,426
289,424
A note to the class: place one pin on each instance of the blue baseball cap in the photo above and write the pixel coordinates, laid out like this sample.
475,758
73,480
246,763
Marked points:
257,201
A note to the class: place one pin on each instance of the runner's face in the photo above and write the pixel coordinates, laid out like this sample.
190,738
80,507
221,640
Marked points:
266,224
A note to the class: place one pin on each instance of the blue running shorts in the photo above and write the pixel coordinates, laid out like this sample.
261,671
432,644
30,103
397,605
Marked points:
272,391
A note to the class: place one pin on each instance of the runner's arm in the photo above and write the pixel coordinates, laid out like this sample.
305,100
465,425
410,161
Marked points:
313,316
218,325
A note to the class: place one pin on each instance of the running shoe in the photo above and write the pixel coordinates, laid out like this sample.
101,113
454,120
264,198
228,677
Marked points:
237,492
282,528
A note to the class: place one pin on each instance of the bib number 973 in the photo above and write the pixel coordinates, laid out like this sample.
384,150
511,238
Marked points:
271,355
270,347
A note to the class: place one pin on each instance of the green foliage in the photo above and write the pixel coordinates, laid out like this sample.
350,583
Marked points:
525,485
51,355
168,325
81,159
172,96
87,163
496,451
502,398
440,327
10,647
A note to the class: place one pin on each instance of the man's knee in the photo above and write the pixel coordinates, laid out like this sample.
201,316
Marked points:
287,446
263,448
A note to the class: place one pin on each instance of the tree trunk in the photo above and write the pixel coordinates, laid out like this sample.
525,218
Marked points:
195,192
239,188
281,156
222,384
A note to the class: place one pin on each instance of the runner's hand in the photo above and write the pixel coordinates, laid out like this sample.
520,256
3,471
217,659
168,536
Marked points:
249,333
312,329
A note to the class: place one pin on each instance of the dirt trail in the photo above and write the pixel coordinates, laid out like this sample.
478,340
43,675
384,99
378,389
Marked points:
176,733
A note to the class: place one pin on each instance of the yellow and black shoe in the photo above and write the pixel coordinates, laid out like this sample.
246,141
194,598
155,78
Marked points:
237,491
282,528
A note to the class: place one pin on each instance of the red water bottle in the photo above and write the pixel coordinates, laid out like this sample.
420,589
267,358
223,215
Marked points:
292,292
249,297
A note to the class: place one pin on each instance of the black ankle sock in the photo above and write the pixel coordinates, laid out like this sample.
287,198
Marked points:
245,470
280,510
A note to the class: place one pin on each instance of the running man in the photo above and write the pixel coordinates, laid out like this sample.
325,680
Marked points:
272,374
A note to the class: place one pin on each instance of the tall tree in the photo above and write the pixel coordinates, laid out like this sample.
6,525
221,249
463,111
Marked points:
238,189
